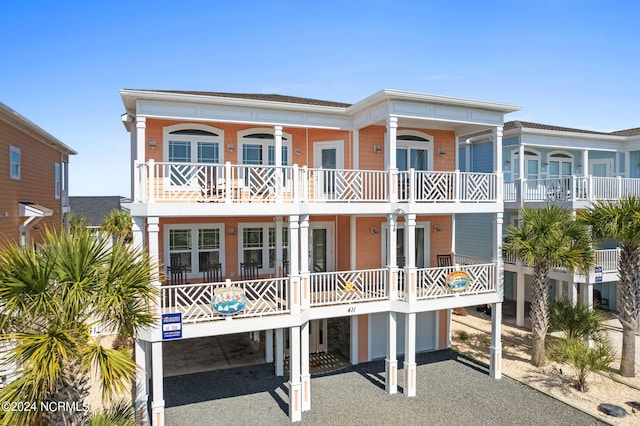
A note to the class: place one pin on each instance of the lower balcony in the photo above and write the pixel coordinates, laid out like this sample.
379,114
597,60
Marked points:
262,298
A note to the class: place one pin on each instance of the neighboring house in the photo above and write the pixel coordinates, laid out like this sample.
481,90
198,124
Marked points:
570,167
34,184
96,208
34,188
312,213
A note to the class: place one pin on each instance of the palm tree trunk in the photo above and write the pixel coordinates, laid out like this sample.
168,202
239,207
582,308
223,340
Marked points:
70,395
539,313
628,304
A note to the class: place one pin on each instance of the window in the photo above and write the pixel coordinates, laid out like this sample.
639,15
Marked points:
195,247
257,147
14,162
258,244
412,150
191,143
560,164
58,180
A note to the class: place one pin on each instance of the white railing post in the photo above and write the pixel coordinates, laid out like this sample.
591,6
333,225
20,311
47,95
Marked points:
590,187
523,189
411,185
393,185
573,189
619,183
137,182
295,184
305,183
457,186
228,182
152,181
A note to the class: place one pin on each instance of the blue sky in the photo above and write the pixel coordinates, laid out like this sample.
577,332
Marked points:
568,63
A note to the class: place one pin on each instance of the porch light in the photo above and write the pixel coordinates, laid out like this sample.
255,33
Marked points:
232,232
152,144
377,148
374,230
437,228
298,150
507,161
230,147
441,151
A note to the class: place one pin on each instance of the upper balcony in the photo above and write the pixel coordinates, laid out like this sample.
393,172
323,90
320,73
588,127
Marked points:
574,191
286,188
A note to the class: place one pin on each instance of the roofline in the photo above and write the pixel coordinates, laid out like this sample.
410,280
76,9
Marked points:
129,95
579,135
18,121
393,94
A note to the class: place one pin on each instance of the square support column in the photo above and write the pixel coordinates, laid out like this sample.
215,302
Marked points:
391,363
279,367
141,390
268,345
354,339
410,271
392,261
295,386
157,403
409,355
305,280
305,376
278,260
495,351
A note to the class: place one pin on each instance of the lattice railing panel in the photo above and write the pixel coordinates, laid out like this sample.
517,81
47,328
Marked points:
331,288
432,281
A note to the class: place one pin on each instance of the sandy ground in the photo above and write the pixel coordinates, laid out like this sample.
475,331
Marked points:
554,378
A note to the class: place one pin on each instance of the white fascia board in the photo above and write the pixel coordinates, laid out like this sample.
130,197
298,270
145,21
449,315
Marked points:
131,96
391,94
33,210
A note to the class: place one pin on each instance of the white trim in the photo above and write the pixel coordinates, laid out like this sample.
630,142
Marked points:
608,162
194,227
409,145
401,225
287,140
265,226
570,160
330,243
193,139
318,146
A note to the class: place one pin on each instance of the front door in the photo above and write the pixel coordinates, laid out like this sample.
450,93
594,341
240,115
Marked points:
601,167
318,336
321,259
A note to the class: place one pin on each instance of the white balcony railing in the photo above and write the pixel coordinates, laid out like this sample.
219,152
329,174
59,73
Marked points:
432,281
572,188
606,258
272,296
230,183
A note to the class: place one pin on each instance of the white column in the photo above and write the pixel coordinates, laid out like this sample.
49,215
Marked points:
277,136
138,155
453,233
391,166
278,236
305,279
573,291
409,355
392,261
354,339
520,299
585,162
627,164
294,264
305,376
391,363
268,345
411,274
295,387
153,228
157,403
497,150
279,367
521,171
142,392
137,228
497,254
353,237
495,351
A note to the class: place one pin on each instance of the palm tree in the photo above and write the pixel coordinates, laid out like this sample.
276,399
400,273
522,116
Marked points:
620,221
577,321
49,299
117,223
546,238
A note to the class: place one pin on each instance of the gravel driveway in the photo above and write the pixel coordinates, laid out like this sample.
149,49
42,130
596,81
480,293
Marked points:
451,390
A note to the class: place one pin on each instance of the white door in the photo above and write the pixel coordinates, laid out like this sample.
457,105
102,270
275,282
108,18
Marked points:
318,336
327,156
321,259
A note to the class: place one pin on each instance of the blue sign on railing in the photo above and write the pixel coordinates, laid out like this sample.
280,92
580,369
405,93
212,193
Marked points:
172,326
598,272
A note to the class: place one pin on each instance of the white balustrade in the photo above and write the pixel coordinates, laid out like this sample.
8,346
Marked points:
333,288
432,282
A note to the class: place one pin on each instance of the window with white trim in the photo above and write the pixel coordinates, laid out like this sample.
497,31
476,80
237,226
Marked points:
195,246
258,245
412,150
257,147
194,144
15,160
560,164
57,178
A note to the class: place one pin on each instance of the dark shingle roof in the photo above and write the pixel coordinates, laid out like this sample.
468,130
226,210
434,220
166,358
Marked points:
95,209
628,132
528,125
257,97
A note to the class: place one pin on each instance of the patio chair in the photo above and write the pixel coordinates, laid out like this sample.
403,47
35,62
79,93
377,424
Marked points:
249,271
444,260
600,302
212,273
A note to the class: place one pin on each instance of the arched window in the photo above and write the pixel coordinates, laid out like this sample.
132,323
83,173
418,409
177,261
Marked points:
531,164
560,164
193,143
414,150
257,147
